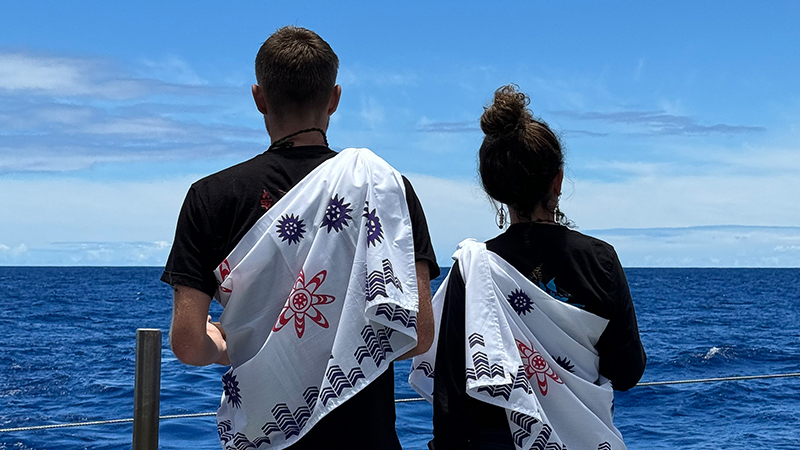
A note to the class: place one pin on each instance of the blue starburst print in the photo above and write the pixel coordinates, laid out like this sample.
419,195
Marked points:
231,388
374,229
520,301
564,362
559,294
336,214
291,229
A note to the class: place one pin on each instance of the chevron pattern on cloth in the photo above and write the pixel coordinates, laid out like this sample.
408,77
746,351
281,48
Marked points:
377,345
339,382
261,440
525,424
310,396
237,441
555,446
285,422
389,276
361,303
240,442
377,281
531,354
398,314
482,369
224,431
521,381
375,286
518,381
476,339
426,368
541,440
288,423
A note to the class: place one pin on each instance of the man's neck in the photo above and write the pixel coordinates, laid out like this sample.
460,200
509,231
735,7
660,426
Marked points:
290,125
309,138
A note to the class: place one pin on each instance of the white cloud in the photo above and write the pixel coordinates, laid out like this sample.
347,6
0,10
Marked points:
15,251
458,209
89,254
372,112
23,72
359,76
455,210
70,113
146,126
81,222
678,201
626,168
659,123
639,71
718,246
172,69
40,211
62,76
752,159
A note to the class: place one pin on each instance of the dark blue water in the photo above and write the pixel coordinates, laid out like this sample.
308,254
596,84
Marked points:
68,336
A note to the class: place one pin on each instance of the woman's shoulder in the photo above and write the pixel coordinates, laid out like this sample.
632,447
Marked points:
591,253
585,242
554,245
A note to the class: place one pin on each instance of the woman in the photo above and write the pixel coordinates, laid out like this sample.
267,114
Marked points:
521,165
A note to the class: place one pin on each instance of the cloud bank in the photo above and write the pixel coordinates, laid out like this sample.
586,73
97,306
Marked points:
87,254
660,123
62,114
710,246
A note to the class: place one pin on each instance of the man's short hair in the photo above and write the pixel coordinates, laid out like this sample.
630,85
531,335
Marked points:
296,68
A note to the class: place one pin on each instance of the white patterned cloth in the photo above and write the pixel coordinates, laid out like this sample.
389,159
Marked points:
530,354
319,297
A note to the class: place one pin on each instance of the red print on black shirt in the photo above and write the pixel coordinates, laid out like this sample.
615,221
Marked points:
266,200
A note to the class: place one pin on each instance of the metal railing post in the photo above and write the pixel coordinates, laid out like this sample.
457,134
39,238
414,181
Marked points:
147,389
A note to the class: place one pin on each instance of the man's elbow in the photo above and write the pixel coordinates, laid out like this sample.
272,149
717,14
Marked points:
424,342
186,350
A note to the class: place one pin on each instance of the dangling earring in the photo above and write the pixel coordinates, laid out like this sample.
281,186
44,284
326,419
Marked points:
500,217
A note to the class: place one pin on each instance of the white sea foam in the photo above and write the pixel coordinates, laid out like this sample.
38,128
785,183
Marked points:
712,352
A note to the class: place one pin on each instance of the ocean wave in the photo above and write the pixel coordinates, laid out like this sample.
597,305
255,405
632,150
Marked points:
725,352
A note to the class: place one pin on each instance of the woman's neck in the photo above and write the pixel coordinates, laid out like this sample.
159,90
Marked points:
539,215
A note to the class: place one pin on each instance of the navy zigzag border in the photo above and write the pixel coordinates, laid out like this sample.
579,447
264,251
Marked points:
476,339
426,369
398,314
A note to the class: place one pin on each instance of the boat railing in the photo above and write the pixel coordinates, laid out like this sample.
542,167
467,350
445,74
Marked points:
147,387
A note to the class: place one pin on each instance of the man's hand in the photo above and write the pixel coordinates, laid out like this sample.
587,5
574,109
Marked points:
217,334
193,338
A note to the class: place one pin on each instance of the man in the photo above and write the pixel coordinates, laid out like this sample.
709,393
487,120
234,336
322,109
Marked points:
297,93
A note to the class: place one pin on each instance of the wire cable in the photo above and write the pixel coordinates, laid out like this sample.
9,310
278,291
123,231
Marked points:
399,400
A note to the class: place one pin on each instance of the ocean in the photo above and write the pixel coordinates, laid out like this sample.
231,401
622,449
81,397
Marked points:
68,336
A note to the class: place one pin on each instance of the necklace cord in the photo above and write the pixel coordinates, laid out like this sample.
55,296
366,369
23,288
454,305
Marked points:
284,142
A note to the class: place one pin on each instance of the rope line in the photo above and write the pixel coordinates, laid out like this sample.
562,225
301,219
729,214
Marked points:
399,400
712,380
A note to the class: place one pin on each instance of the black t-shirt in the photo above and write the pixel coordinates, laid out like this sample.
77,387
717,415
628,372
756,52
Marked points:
568,265
220,209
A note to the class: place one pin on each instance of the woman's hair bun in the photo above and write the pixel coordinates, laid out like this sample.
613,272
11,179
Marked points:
508,112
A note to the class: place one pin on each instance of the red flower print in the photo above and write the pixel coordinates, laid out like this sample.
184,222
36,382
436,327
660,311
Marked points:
535,364
266,200
302,303
224,271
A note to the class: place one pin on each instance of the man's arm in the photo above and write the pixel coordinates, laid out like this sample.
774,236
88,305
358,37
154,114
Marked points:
193,338
425,325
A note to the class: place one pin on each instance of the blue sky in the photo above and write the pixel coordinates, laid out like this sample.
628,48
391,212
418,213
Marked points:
682,116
